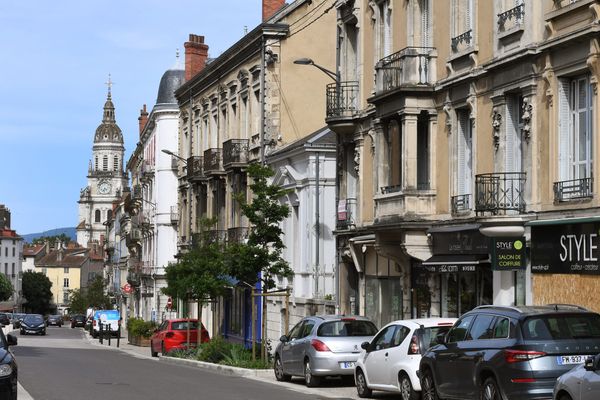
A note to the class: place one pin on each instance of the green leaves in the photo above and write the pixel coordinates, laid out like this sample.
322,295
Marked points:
6,288
37,292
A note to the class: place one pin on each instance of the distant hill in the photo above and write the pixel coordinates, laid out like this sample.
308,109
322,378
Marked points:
70,232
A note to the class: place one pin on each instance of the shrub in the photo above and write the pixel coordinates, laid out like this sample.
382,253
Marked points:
139,327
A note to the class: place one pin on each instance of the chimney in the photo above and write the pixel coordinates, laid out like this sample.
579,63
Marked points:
270,7
196,53
143,119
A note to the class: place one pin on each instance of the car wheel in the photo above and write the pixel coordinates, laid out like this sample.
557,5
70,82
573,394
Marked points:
43,333
22,332
309,378
152,352
279,374
361,385
489,390
406,390
428,391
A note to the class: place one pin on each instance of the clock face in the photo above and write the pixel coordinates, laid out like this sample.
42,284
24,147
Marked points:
104,187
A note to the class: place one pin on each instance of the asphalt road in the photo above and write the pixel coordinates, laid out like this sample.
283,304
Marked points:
63,365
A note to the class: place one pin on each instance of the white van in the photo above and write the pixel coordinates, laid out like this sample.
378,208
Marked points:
108,318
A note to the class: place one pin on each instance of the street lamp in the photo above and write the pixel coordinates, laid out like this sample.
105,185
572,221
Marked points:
169,152
309,61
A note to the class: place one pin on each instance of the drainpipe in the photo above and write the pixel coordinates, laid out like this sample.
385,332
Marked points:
263,66
318,225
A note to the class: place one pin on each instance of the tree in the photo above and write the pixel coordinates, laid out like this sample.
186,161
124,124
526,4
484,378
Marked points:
95,296
63,238
6,288
260,259
37,292
78,303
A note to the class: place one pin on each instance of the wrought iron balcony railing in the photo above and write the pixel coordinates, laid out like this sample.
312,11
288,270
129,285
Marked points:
500,192
391,189
238,234
574,189
195,168
346,213
515,14
460,203
213,161
342,99
174,215
235,153
465,38
408,67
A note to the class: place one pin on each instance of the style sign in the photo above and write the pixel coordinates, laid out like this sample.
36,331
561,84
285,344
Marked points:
508,254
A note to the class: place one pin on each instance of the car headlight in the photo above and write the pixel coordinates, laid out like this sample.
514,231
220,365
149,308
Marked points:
41,325
5,370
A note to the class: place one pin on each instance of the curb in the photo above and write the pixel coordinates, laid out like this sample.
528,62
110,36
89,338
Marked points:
222,369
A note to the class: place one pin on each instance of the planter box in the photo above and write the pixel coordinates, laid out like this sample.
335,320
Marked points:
138,340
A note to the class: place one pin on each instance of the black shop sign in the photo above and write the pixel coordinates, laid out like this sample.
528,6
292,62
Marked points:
566,249
508,254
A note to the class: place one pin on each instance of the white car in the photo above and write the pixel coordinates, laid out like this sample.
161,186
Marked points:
391,360
580,383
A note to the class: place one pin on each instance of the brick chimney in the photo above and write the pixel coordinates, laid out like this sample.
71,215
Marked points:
143,119
196,53
270,7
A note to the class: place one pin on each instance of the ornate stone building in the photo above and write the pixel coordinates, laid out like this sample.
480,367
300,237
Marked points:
106,177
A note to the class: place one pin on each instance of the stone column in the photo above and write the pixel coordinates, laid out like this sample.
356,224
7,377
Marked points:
409,151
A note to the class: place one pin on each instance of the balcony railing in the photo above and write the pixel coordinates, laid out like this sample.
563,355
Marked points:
195,168
410,66
574,189
515,15
235,153
342,99
174,215
391,189
346,213
238,234
464,40
213,161
499,193
461,203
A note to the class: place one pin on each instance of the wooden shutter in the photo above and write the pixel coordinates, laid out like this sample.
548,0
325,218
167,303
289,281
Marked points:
564,130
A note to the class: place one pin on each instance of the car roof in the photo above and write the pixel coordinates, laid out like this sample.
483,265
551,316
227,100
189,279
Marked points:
337,317
521,312
426,322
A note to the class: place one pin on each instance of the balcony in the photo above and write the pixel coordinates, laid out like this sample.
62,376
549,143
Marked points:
134,278
342,106
460,204
462,42
147,170
394,202
147,268
235,153
133,238
511,18
238,234
136,193
174,215
213,162
217,236
195,168
346,213
409,68
575,189
500,193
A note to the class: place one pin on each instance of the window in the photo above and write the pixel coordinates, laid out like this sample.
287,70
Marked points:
5,268
462,17
97,216
382,29
459,331
400,334
45,271
306,329
481,329
109,215
66,282
295,332
96,163
514,142
65,297
384,339
464,152
105,163
575,128
14,249
6,252
116,163
502,328
13,269
66,270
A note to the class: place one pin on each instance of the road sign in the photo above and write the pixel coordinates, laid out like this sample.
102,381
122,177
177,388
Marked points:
169,303
127,288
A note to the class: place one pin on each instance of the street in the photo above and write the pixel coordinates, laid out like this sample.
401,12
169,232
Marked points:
65,365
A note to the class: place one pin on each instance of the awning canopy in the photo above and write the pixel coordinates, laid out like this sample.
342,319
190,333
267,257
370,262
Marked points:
454,262
563,221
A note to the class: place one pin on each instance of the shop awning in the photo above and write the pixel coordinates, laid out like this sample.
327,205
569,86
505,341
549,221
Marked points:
358,247
563,221
454,262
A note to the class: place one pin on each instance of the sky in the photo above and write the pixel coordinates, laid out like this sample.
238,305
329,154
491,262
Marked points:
55,58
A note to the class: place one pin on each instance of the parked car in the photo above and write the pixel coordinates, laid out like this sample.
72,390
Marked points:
4,319
512,352
321,346
110,320
172,334
580,383
33,323
8,367
54,320
16,320
390,362
78,320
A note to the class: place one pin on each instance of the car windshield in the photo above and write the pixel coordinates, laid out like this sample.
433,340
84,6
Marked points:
33,319
347,327
430,335
562,326
183,325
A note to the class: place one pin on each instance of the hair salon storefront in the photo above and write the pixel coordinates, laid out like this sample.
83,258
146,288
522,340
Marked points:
565,262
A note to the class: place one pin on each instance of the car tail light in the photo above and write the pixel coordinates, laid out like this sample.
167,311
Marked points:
94,322
513,356
318,345
522,380
413,347
169,334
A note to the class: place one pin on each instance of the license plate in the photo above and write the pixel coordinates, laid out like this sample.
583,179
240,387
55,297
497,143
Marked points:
347,364
568,360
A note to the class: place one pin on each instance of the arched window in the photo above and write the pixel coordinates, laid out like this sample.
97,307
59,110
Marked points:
105,163
116,163
97,216
109,215
96,164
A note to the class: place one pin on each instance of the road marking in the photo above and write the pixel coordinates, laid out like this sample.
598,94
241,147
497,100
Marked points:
22,393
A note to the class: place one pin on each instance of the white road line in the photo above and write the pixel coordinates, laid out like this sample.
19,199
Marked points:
22,393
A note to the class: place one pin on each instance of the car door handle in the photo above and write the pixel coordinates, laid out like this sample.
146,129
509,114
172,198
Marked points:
386,354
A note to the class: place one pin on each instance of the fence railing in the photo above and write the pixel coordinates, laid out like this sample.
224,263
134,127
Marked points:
342,99
409,66
574,189
460,203
500,192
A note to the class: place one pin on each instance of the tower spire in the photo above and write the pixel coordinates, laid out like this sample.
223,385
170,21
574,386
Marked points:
109,84
109,108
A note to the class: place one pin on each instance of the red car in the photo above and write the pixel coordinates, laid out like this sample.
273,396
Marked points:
172,334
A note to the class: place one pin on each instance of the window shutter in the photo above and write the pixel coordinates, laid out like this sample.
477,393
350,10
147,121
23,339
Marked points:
425,35
513,137
464,153
564,128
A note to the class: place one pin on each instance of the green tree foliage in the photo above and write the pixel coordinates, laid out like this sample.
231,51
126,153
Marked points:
261,257
37,292
6,288
78,301
63,238
95,296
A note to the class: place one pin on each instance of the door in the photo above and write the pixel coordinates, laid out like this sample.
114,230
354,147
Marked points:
590,386
158,336
287,357
301,345
376,360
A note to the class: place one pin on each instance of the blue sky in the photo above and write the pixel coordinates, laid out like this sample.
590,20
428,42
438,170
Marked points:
55,59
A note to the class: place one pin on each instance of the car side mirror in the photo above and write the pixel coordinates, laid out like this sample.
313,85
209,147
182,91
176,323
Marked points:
284,339
11,340
589,364
365,346
441,338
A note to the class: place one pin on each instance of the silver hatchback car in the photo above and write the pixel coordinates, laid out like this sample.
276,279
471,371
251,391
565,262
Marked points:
320,346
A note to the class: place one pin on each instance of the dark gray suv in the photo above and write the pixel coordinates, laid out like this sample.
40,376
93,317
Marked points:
495,352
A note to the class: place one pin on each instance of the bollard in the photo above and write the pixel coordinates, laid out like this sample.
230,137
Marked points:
119,334
100,333
109,332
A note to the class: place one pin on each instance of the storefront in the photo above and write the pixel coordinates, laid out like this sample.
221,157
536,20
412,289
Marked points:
565,261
